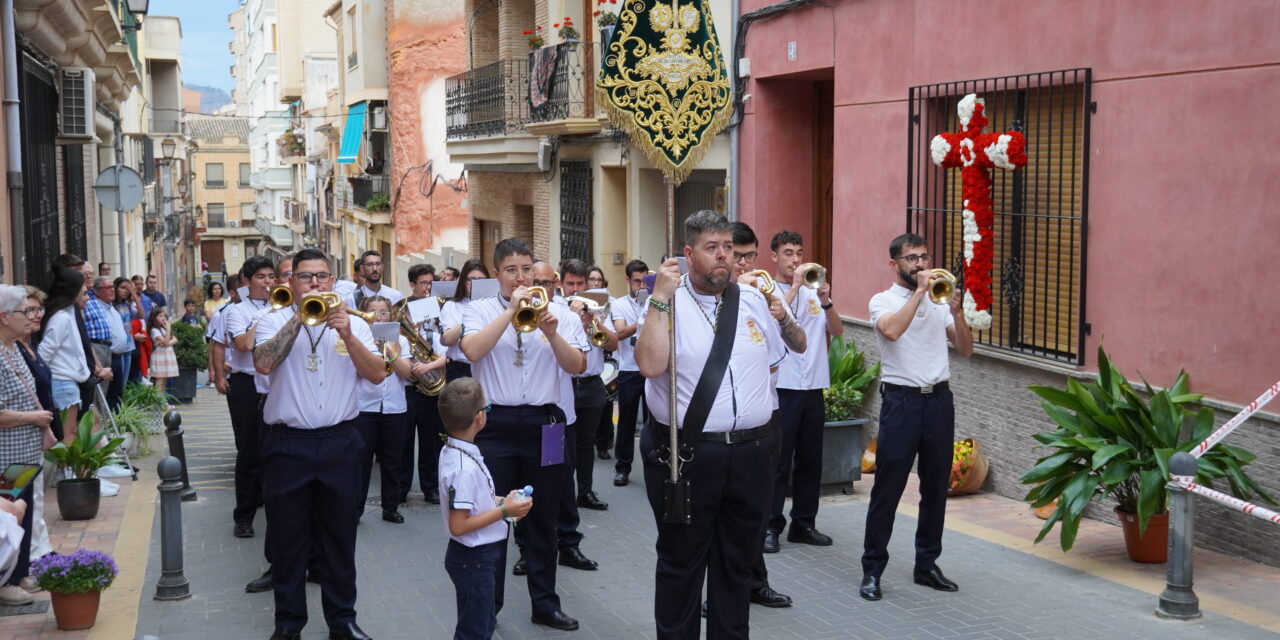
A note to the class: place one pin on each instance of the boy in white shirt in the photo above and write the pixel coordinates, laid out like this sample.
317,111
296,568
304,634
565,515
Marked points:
477,532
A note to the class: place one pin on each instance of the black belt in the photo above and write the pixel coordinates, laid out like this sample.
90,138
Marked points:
587,380
102,342
737,436
924,391
241,373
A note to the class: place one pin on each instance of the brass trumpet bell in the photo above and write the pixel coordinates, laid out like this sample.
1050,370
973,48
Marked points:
281,296
764,282
591,302
941,289
813,273
598,336
527,315
315,307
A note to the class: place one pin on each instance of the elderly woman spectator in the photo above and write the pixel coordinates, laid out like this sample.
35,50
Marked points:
61,347
24,425
44,393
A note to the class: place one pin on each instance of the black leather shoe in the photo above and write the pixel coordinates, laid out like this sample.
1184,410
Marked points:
603,454
393,517
282,633
934,579
261,583
771,542
557,620
808,535
590,500
244,530
572,557
621,479
349,631
704,608
870,589
433,497
519,568
765,596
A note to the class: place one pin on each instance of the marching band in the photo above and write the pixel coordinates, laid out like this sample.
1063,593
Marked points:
317,389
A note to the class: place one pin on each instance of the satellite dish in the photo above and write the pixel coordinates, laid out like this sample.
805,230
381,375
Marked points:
119,194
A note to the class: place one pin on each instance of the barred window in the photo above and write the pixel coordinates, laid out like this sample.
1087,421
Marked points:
1038,267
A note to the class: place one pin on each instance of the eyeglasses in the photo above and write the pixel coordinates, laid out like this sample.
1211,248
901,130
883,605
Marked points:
31,312
914,258
739,257
305,277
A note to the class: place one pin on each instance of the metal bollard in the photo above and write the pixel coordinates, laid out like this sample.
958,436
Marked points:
173,431
1178,601
172,584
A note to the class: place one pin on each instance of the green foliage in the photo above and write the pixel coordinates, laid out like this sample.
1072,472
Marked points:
379,202
139,423
145,396
84,457
1110,442
191,350
849,376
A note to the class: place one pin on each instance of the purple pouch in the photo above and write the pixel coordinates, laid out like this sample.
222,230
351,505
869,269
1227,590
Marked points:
552,444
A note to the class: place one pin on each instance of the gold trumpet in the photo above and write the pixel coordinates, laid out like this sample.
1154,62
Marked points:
598,336
529,312
941,290
281,296
314,308
767,286
420,349
813,273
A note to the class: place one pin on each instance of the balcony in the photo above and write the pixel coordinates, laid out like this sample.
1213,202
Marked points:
276,233
166,125
215,184
215,220
366,188
567,94
488,100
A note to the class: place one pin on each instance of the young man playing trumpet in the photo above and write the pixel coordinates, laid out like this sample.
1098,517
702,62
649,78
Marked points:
312,454
246,390
801,379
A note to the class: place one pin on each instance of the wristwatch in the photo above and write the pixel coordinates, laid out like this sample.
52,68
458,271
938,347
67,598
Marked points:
828,305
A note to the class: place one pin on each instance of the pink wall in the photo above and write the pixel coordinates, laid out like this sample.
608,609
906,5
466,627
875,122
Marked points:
1184,175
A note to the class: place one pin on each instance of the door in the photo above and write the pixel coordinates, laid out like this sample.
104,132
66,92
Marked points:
211,251
39,108
490,235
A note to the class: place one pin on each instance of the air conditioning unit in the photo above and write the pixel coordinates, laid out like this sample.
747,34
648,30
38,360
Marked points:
233,224
75,103
378,119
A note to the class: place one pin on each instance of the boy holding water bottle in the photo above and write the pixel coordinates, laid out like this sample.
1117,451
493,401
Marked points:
473,515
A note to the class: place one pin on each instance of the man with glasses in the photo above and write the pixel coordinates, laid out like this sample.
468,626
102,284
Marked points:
311,456
523,375
371,268
103,326
246,390
917,416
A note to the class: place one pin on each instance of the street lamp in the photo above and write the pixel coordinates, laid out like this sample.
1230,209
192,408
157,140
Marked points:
167,148
182,189
139,6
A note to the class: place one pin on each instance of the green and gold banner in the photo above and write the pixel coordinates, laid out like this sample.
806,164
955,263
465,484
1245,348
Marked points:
664,82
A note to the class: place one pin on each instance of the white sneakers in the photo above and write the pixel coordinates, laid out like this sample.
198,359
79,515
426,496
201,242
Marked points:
114,470
14,596
108,489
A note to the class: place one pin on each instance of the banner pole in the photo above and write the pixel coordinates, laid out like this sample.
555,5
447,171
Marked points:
674,407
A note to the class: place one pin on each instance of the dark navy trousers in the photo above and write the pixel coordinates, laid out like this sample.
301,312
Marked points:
424,425
384,435
245,406
911,425
477,576
801,416
630,397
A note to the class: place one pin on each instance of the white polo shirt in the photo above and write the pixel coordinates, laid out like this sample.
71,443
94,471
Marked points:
808,370
450,317
386,396
305,399
629,311
746,397
919,357
240,317
384,291
217,330
540,379
465,483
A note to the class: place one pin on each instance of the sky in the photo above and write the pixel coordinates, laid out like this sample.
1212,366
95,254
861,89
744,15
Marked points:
206,60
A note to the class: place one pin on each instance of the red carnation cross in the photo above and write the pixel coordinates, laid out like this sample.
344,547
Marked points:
977,153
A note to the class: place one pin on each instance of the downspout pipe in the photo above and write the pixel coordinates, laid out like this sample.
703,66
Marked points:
13,146
735,183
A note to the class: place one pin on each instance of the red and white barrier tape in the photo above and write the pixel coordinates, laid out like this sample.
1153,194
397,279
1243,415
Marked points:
1239,419
1246,508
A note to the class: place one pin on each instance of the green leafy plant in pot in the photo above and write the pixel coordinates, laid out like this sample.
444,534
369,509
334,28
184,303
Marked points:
192,354
849,376
75,582
78,496
1113,443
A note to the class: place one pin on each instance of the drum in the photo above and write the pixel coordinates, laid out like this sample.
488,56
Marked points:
610,378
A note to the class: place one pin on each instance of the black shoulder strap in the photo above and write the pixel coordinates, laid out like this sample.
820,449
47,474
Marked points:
704,395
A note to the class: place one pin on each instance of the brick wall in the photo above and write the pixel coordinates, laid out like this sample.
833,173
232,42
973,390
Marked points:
516,17
483,39
540,229
994,406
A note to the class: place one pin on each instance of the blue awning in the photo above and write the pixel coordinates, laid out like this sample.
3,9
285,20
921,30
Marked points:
352,134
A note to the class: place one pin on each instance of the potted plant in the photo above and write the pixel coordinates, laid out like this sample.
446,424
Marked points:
1112,442
842,433
379,202
192,354
536,41
968,467
567,32
607,20
292,143
75,583
78,495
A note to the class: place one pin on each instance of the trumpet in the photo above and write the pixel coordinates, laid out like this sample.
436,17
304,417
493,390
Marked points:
765,282
941,290
598,336
813,273
314,308
281,296
420,350
527,315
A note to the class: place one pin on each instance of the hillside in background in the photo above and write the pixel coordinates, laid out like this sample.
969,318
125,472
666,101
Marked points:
211,98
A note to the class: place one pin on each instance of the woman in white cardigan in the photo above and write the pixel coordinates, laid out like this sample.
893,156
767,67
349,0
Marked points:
61,347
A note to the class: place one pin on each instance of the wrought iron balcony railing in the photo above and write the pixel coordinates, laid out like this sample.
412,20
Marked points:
565,86
364,189
488,100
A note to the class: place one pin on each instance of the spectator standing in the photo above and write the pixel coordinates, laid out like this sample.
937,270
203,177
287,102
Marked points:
216,298
61,347
164,363
43,377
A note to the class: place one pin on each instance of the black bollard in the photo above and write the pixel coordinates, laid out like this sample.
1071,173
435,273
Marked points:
172,585
1179,601
173,431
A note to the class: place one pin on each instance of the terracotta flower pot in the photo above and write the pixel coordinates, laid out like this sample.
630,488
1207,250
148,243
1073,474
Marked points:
869,457
75,610
1152,546
971,480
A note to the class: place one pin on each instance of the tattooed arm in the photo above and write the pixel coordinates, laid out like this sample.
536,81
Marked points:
792,335
268,355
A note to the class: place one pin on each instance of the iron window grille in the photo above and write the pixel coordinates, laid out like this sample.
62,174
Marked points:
1041,210
575,210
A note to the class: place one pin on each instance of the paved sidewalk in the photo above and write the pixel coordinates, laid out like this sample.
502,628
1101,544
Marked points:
1008,588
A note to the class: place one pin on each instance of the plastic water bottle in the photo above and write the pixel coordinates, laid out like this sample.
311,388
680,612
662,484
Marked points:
522,495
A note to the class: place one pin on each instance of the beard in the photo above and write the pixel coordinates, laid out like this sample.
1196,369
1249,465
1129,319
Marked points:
716,280
376,277
908,277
